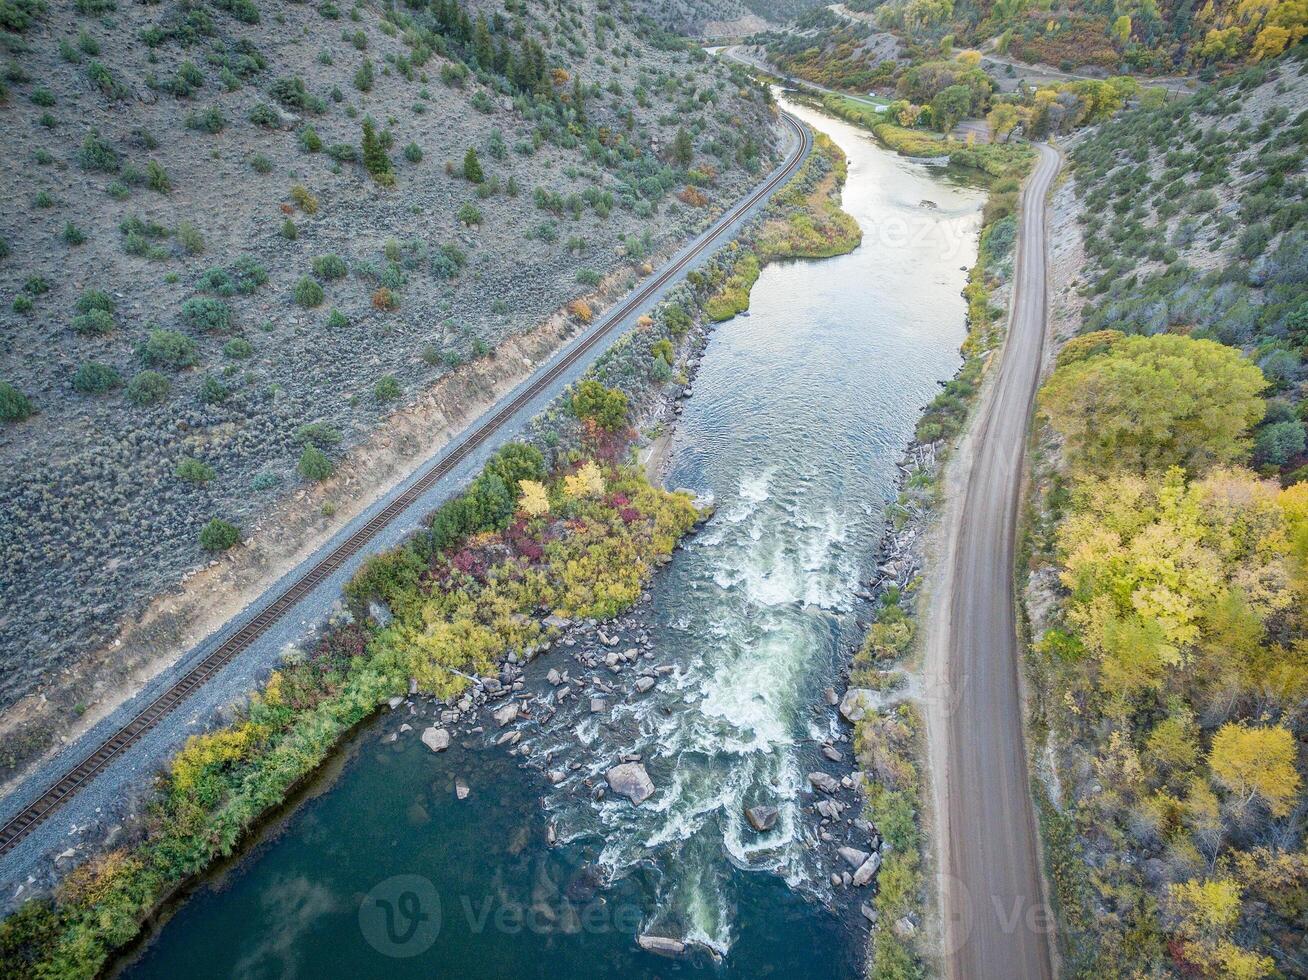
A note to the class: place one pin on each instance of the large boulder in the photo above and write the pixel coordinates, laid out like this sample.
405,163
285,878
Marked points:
632,781
507,714
867,870
824,782
855,704
762,818
661,945
853,856
436,739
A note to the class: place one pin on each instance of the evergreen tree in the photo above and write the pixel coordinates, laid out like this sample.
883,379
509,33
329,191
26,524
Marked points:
374,154
683,150
472,166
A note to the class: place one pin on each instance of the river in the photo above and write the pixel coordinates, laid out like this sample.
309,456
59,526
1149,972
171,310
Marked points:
799,414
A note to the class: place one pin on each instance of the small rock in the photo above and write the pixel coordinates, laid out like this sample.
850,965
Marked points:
597,705
461,789
869,913
643,684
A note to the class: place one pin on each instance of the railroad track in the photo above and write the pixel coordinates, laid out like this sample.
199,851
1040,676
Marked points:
26,820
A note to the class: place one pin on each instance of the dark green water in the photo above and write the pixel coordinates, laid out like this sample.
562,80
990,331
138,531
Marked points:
799,415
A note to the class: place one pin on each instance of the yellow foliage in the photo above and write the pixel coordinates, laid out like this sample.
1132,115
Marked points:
588,481
581,310
534,499
215,748
1257,762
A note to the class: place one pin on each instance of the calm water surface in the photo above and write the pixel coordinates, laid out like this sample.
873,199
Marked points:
799,414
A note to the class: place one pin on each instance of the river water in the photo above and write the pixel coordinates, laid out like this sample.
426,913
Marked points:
799,414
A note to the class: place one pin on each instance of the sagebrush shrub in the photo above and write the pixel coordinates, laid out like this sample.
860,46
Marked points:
193,470
206,314
219,535
148,388
168,349
93,378
14,405
308,293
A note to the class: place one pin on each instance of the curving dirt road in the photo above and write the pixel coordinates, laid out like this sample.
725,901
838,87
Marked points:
996,923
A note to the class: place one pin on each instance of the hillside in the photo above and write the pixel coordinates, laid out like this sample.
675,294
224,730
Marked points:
719,17
242,234
1109,37
1168,539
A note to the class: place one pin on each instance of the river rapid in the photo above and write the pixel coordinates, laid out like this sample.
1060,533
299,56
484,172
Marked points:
799,414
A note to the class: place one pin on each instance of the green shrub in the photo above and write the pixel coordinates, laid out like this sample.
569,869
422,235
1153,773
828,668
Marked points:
308,293
364,76
97,155
387,388
314,464
105,80
93,378
266,116
260,164
206,314
148,388
343,152
469,214
156,177
309,140
168,349
190,238
606,407
238,349
329,267
193,470
93,323
413,153
318,434
19,15
219,535
289,231
209,120
1278,443
72,235
14,405
213,391
472,171
23,303
337,320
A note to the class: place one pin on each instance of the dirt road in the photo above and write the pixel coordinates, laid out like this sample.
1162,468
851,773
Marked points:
996,925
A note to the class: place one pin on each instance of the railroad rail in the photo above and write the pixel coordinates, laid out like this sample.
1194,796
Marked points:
26,820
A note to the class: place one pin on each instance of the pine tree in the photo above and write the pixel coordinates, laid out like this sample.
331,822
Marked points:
374,154
683,150
472,167
578,100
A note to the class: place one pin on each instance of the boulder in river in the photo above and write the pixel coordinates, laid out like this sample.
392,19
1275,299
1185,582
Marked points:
762,818
867,870
436,739
632,781
824,782
661,945
461,789
643,684
853,856
854,705
507,714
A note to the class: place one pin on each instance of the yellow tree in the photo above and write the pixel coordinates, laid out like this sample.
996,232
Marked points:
534,499
1205,914
588,481
1256,762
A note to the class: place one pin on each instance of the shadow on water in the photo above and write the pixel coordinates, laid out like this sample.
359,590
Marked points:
799,416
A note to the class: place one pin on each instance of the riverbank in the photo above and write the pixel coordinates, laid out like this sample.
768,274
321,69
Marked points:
888,688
